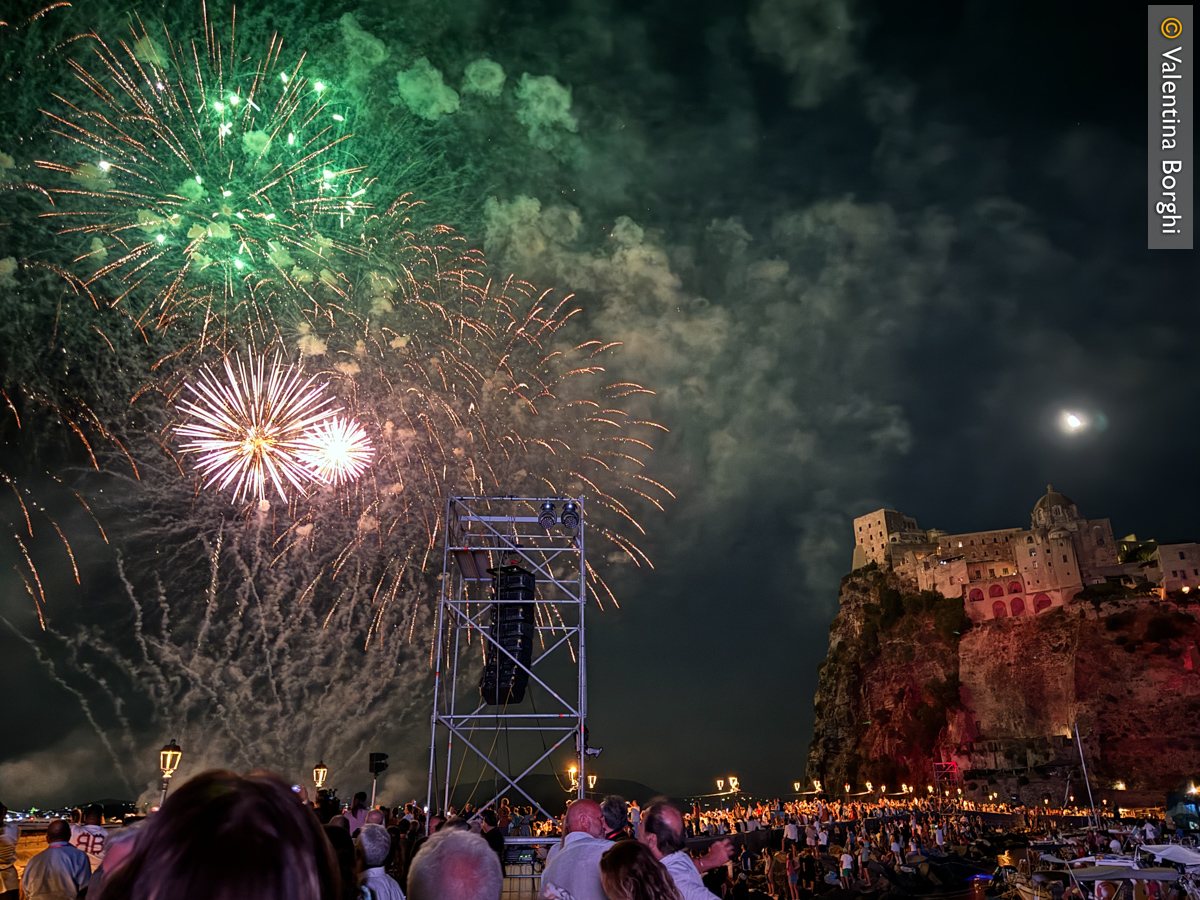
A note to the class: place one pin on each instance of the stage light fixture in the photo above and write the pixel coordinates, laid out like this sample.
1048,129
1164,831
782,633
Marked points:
547,518
570,516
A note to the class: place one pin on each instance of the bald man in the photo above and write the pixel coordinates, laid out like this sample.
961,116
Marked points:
662,831
574,872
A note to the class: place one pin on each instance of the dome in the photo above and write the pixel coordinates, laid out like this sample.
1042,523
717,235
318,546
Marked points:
1054,499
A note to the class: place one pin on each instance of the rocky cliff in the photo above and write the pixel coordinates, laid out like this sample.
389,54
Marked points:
908,681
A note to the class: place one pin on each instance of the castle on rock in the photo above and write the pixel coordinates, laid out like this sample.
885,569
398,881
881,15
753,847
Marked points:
1023,571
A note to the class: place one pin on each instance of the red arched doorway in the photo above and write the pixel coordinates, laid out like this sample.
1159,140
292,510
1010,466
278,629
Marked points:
1040,602
999,609
976,594
996,591
1018,606
1014,587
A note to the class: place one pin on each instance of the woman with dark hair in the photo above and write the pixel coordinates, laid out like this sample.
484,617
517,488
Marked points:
356,815
223,836
629,871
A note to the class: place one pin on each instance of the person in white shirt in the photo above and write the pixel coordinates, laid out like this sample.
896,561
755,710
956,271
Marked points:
9,833
91,837
663,833
373,843
847,870
791,833
574,872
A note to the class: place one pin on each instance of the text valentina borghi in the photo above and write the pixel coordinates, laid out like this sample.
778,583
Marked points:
1167,207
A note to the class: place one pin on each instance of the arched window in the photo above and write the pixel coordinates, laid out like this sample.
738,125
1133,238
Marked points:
996,591
1040,602
1029,539
999,609
976,594
1018,606
1014,587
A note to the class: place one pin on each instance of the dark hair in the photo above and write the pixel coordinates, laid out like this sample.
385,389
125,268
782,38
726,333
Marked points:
343,849
59,830
224,836
94,810
629,871
490,818
616,812
663,821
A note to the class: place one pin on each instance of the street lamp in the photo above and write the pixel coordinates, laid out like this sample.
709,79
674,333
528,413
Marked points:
168,761
733,782
574,772
796,786
320,773
591,782
720,784
816,785
847,786
870,788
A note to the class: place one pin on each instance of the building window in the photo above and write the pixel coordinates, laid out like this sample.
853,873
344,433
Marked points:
1032,551
1181,556
991,573
999,609
1040,602
996,591
1174,574
1029,540
960,545
1018,606
1014,587
976,594
1064,558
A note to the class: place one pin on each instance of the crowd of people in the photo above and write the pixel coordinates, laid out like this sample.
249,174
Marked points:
223,835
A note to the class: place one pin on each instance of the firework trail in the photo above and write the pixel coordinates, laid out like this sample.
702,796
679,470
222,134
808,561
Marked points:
215,208
205,188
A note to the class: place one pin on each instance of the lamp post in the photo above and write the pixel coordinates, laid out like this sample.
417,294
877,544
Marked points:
591,782
796,786
816,785
720,784
320,773
733,783
168,761
574,773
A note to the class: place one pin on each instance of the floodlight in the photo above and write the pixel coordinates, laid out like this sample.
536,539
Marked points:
547,518
570,516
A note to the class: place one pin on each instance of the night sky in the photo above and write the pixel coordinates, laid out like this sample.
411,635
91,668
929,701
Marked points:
865,253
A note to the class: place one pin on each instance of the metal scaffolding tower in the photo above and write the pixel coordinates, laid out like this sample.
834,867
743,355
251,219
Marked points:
482,534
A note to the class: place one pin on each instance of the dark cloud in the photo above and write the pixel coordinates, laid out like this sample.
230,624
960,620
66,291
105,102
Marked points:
860,266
